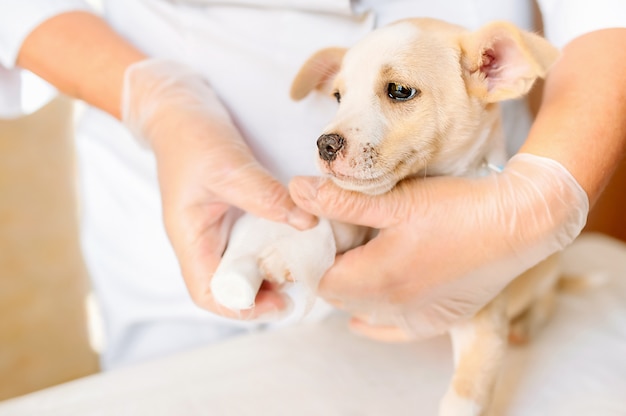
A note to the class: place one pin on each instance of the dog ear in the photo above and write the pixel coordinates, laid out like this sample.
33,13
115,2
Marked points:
502,62
318,72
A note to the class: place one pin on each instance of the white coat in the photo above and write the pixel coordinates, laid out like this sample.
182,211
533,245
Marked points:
249,50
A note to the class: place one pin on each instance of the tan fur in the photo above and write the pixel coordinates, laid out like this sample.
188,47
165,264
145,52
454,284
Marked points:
534,51
318,71
479,354
452,127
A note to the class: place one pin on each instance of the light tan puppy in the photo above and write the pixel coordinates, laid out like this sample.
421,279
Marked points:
420,97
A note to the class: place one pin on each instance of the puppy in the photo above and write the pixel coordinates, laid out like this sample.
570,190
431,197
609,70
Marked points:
418,97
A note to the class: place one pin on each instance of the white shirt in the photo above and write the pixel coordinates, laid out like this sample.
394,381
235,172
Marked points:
249,50
564,19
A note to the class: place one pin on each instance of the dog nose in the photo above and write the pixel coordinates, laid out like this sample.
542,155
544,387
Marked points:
328,146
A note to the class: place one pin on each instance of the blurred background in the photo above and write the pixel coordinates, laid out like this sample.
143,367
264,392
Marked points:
43,283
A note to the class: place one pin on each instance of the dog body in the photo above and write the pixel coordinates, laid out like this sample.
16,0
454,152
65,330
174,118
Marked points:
417,98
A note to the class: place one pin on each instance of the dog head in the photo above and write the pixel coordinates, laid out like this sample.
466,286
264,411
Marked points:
418,97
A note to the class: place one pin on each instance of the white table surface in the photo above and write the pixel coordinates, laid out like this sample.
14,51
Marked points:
576,366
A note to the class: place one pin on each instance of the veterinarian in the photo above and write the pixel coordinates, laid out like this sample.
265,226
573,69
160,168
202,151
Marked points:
186,98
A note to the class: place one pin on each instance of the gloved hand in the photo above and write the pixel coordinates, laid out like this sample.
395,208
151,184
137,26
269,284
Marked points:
446,245
205,169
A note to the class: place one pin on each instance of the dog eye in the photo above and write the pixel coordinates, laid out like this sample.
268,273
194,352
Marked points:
337,96
400,92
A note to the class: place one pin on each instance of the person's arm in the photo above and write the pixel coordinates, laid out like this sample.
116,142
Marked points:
205,168
582,119
82,56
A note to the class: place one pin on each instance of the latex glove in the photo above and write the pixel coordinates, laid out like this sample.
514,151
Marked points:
446,245
205,168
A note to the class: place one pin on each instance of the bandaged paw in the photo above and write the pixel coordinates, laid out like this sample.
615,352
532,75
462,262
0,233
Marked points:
259,250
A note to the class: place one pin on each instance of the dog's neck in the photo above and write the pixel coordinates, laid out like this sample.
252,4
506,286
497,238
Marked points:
484,153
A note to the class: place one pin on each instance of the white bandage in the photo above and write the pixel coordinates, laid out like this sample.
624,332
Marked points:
258,247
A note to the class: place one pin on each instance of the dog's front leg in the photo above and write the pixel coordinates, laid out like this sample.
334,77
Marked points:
479,347
259,249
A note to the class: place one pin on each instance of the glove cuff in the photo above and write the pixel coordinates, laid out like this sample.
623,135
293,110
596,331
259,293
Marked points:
157,89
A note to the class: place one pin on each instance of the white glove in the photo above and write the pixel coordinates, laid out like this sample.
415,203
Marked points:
446,245
205,168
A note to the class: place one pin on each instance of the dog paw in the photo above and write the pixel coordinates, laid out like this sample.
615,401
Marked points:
273,267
